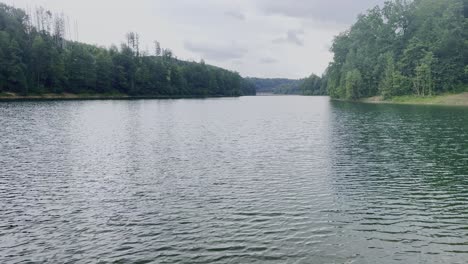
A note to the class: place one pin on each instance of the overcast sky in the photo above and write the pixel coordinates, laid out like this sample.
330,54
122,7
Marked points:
261,38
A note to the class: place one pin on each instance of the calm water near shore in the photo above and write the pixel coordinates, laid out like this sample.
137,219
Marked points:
282,179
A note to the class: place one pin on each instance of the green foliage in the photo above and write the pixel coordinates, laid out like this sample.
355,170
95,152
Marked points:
415,47
15,73
423,81
38,60
312,85
353,84
276,85
393,82
248,87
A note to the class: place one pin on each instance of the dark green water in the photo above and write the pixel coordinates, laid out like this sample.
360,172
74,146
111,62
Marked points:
242,180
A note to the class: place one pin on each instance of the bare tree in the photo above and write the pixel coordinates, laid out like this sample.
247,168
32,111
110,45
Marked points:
29,23
48,22
130,39
167,54
137,44
157,48
38,15
59,30
77,35
133,42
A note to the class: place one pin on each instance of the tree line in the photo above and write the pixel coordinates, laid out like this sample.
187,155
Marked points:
275,85
36,58
312,85
417,47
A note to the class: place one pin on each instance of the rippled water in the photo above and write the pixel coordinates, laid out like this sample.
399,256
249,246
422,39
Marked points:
244,180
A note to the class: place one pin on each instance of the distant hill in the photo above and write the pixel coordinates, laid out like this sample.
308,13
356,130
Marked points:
312,85
276,85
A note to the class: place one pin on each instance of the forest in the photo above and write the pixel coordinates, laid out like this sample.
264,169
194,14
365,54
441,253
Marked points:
275,85
37,58
312,85
415,48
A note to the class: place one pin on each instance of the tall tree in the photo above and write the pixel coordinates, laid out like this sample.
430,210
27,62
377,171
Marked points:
405,47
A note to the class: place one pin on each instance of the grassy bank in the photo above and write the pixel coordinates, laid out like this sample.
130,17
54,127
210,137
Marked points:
84,96
460,99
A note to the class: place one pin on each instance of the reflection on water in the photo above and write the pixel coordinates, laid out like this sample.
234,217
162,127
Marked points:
240,180
401,175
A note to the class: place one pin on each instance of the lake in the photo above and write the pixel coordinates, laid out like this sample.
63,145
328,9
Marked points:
282,179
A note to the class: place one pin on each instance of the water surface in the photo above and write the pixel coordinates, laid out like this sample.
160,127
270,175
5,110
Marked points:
284,179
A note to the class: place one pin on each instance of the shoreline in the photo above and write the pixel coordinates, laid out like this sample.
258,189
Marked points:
459,99
75,97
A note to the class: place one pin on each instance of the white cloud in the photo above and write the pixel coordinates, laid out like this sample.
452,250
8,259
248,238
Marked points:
216,52
336,11
235,14
292,37
268,60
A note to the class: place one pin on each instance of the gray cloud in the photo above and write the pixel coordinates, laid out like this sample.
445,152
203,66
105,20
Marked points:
268,60
237,62
338,11
235,14
292,37
216,52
